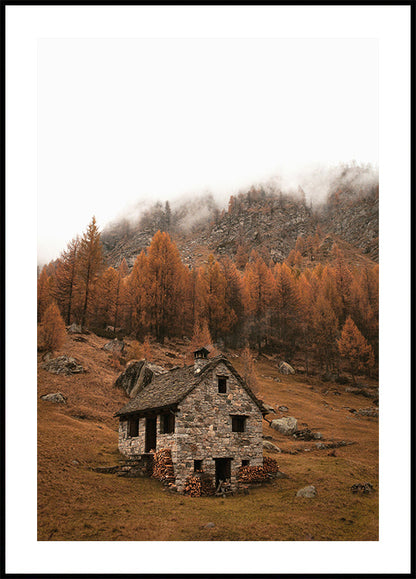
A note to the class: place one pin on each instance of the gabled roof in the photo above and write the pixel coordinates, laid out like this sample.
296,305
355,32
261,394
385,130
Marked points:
171,388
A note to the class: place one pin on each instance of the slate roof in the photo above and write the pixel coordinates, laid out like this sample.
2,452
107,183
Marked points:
172,387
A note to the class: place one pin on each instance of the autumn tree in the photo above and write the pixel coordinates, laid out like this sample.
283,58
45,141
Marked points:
355,349
364,304
44,292
90,263
52,332
258,285
305,301
163,286
136,301
106,298
324,326
66,278
285,307
234,302
212,304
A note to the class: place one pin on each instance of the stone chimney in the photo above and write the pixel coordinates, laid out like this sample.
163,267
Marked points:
200,359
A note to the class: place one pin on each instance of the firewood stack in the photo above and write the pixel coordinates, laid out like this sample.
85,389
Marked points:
252,474
270,465
163,466
258,474
199,485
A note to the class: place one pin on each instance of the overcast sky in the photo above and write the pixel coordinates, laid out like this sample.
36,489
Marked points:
121,121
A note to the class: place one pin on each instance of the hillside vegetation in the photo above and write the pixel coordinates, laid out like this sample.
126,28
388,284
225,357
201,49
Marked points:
76,503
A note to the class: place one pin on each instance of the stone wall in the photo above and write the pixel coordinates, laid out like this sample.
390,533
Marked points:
133,446
204,429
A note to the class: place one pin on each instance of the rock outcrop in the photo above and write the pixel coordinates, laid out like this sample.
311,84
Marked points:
56,398
137,375
63,365
115,346
285,368
287,425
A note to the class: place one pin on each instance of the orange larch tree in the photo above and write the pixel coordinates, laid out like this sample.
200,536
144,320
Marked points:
90,264
164,286
52,332
355,349
66,279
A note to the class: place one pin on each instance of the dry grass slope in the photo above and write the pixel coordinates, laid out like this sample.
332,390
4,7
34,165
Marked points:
75,503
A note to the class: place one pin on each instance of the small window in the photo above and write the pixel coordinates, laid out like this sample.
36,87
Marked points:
197,465
238,423
133,427
245,462
222,384
167,423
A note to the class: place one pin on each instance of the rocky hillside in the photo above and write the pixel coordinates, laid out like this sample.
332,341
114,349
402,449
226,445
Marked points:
263,218
354,218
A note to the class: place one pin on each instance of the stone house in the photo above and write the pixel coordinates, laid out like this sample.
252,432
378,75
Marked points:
205,414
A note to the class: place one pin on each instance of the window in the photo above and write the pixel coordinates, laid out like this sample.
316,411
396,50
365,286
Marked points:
238,423
197,465
167,423
245,462
222,384
132,427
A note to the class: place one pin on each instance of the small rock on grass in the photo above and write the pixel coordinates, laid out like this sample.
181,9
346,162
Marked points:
56,398
308,492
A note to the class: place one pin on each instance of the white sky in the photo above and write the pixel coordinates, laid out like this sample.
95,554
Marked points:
122,120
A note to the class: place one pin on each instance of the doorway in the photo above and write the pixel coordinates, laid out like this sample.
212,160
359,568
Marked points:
150,439
222,469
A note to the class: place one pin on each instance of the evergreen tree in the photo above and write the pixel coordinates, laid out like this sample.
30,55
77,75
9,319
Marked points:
90,263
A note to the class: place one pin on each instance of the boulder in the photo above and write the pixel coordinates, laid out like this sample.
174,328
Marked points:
63,365
286,368
367,412
115,346
56,398
137,375
287,425
267,445
308,492
269,408
283,409
74,329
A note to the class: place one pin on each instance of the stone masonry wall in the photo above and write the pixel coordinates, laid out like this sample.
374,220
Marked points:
133,446
204,430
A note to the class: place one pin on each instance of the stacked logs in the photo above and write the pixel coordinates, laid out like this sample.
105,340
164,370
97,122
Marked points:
270,465
163,466
252,474
258,474
199,485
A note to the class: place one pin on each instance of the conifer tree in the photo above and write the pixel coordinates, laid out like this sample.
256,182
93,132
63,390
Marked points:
135,309
355,349
44,292
164,286
52,332
66,278
90,263
258,287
